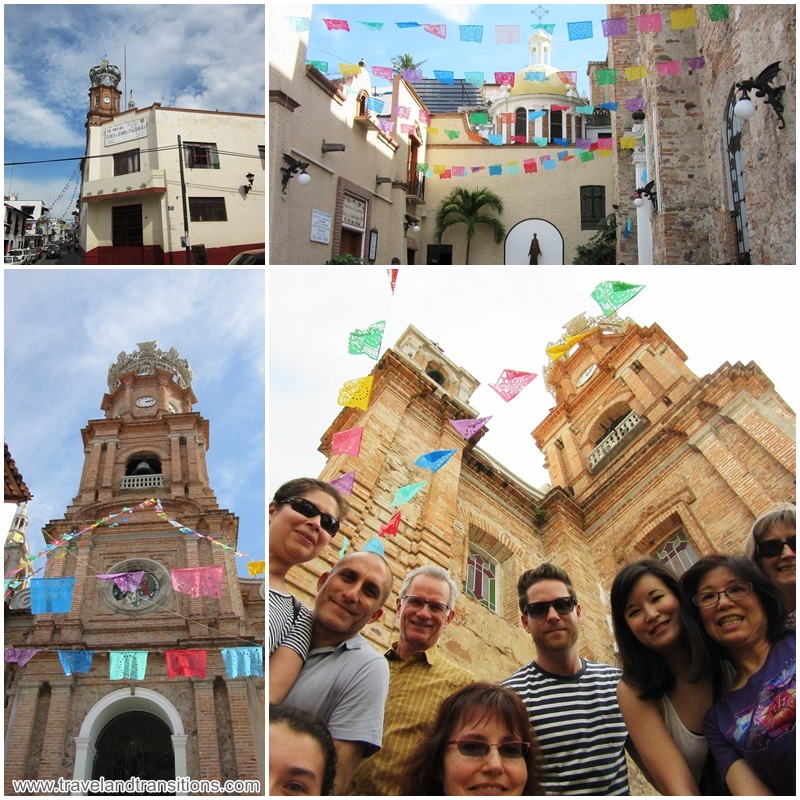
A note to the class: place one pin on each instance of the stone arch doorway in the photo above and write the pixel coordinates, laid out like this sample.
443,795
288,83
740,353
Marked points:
518,242
101,721
134,744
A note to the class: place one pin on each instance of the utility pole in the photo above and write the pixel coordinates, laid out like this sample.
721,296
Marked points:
185,210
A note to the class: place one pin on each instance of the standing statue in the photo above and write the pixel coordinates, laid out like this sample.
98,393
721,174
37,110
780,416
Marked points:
535,251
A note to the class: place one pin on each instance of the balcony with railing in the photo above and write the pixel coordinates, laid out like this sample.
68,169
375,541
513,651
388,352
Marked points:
142,482
416,188
616,440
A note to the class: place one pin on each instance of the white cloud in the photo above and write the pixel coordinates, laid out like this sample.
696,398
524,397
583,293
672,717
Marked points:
459,13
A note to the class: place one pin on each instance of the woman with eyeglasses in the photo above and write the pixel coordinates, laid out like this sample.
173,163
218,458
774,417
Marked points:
481,742
772,543
303,517
751,729
663,709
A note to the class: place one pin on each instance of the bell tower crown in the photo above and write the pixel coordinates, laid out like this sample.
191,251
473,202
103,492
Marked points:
148,382
104,96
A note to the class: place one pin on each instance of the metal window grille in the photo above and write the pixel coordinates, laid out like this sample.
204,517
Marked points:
201,155
127,162
126,226
593,207
207,209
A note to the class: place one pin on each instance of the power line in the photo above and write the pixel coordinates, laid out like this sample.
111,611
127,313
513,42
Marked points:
111,155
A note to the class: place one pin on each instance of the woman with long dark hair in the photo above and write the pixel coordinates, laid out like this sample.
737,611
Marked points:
662,704
751,729
481,742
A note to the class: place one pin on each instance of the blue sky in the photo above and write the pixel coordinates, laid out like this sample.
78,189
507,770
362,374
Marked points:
379,46
186,56
63,328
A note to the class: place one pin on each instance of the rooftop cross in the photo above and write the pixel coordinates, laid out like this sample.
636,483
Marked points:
539,11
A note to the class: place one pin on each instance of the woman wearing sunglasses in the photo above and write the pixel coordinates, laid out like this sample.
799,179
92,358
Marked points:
303,517
481,742
751,729
771,544
663,710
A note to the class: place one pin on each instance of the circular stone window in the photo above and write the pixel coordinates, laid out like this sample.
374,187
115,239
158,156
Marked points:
153,591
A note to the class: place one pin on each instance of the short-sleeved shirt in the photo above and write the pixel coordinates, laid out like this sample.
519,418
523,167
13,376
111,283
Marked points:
290,624
578,726
345,687
757,722
417,687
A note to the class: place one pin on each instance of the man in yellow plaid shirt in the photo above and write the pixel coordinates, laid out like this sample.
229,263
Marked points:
419,677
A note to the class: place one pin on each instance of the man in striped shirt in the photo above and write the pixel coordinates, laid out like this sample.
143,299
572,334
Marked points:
572,702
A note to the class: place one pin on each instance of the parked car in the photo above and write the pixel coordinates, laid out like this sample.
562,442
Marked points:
16,256
248,257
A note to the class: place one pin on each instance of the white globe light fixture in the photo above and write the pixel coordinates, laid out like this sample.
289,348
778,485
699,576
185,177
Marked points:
744,109
304,178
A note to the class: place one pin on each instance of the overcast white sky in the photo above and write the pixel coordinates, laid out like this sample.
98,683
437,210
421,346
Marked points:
205,56
487,320
63,328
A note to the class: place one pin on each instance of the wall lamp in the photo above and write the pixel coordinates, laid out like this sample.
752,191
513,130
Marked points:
332,147
649,191
379,180
249,178
745,108
409,222
293,166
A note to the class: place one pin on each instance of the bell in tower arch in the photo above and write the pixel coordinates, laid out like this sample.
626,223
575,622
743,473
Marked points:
143,468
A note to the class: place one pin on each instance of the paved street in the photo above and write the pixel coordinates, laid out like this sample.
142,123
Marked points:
67,258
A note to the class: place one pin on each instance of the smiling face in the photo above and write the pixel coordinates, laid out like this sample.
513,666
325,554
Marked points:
554,632
296,762
652,612
781,569
420,629
294,538
487,775
350,596
734,624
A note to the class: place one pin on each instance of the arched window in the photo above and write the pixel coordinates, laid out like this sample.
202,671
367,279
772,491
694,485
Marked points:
556,125
676,553
732,133
361,104
521,123
481,580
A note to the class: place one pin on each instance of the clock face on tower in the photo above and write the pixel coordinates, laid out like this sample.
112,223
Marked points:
585,375
145,402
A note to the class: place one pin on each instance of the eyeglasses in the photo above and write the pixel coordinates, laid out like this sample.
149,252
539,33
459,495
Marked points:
417,603
771,548
473,749
735,592
563,605
308,509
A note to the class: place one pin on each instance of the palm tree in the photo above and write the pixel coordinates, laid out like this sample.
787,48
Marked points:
406,61
464,205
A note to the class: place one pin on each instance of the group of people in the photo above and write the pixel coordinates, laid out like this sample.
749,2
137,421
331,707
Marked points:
704,702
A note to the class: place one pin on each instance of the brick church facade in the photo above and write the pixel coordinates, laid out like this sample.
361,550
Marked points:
645,457
149,444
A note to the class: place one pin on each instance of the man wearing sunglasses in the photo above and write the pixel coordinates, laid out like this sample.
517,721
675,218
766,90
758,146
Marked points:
572,702
771,544
419,677
344,681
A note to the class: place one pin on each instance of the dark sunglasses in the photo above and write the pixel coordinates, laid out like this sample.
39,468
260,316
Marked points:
563,605
473,749
770,548
308,509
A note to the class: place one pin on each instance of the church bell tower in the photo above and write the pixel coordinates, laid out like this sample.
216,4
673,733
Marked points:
104,96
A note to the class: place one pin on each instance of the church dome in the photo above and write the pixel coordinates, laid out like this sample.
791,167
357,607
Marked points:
552,85
540,46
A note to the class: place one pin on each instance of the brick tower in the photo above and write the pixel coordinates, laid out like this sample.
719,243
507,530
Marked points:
104,96
648,459
149,444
